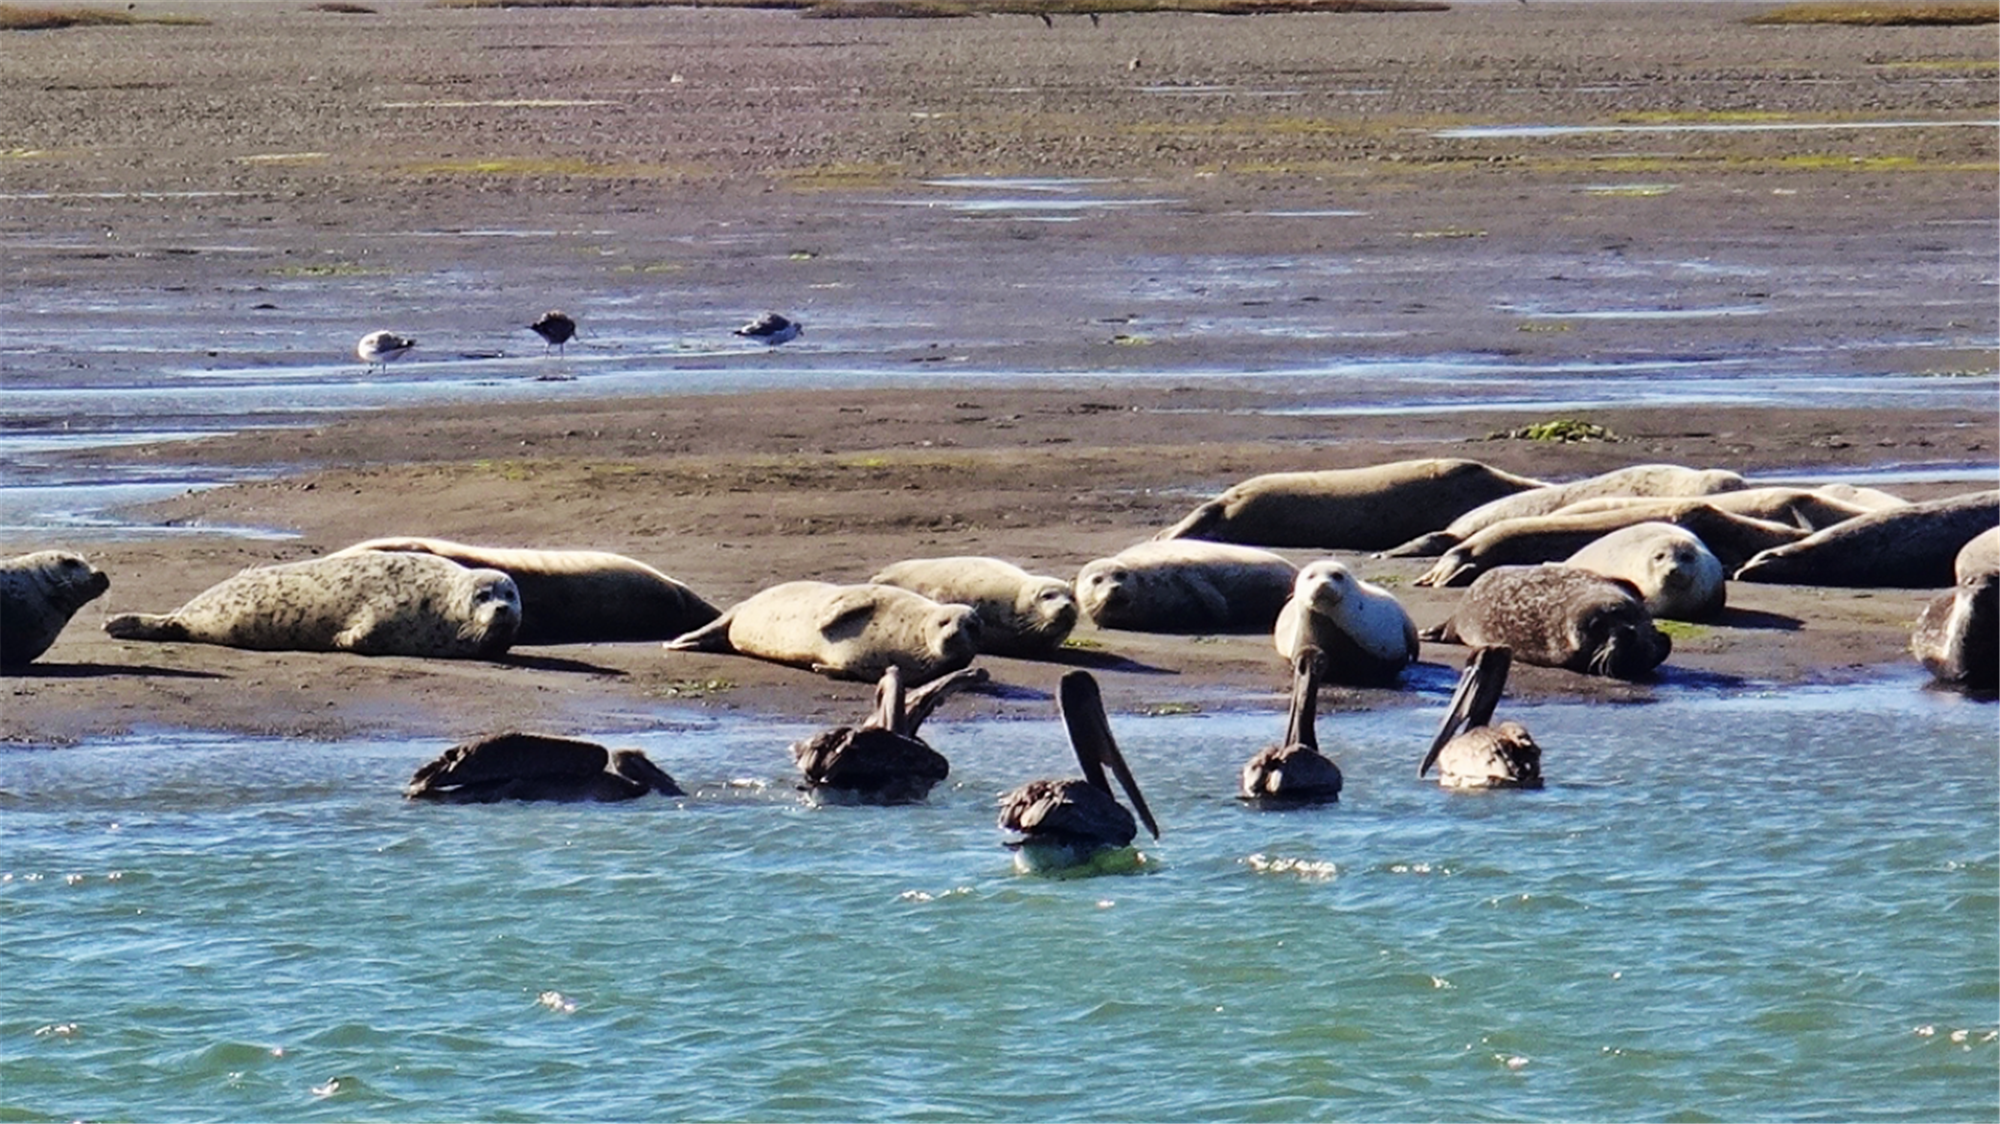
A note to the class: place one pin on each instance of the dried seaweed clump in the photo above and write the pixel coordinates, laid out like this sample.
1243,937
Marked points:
1878,15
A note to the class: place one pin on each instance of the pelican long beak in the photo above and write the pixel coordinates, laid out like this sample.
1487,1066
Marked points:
889,701
1306,673
1473,703
1082,707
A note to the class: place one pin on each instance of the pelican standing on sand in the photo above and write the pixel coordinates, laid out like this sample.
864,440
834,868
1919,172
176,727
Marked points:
882,761
555,329
771,329
1294,772
378,348
1482,755
1077,825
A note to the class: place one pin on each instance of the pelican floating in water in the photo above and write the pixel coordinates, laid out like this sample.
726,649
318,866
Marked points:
1077,823
517,766
376,349
555,329
1294,771
1483,755
882,761
771,329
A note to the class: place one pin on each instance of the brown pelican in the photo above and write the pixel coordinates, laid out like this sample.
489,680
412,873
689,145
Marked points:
517,766
555,329
378,348
1070,823
1293,771
1483,756
882,761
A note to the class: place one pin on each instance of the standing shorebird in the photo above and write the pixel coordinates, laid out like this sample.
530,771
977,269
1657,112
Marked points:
1483,756
771,329
882,761
1294,771
555,329
1073,825
378,348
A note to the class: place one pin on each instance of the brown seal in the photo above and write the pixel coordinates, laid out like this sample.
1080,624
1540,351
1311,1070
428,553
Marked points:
1558,616
1642,481
1550,538
1957,638
39,593
1350,508
1679,578
372,604
1365,636
1020,614
1909,547
844,631
574,596
1186,586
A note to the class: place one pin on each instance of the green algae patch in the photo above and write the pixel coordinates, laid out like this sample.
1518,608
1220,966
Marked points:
1878,15
1560,431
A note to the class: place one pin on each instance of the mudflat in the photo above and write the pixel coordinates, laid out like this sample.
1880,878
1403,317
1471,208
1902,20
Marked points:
1252,232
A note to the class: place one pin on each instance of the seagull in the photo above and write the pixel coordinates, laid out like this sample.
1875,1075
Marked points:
1483,756
554,328
772,329
378,348
1075,823
1294,772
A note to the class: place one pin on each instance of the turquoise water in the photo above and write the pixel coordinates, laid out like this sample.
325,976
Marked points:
1740,907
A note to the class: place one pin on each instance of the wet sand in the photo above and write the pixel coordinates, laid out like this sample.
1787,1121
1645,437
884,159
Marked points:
687,204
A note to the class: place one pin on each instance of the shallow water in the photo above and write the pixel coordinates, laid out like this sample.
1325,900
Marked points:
1726,906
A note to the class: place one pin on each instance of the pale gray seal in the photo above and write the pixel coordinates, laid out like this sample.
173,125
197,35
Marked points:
844,631
518,766
1187,586
1679,578
1363,632
1349,508
1020,614
1066,824
1550,538
39,593
1957,638
1471,750
372,604
1294,771
574,596
1558,616
1909,547
1796,507
1646,481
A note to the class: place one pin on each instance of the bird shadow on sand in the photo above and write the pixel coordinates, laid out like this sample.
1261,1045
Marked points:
558,663
1667,675
106,670
1103,661
1756,618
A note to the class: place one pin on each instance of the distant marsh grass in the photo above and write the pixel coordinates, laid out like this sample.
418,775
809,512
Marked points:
1864,14
18,17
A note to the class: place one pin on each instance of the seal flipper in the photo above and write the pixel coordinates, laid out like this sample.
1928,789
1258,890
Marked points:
1198,523
711,637
1423,546
1444,632
146,626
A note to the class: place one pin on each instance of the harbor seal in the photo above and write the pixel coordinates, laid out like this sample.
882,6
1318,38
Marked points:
574,596
372,604
1186,586
1679,578
1795,507
844,631
1957,638
39,593
1648,481
1558,616
1350,508
1366,637
1909,547
1020,614
1550,538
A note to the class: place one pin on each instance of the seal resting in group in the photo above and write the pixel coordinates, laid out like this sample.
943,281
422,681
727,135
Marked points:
1295,772
1910,547
39,593
1648,481
1957,638
1348,508
1020,614
1551,538
844,631
372,604
517,766
1558,616
882,761
574,596
1470,750
1806,508
1363,632
1186,586
1677,576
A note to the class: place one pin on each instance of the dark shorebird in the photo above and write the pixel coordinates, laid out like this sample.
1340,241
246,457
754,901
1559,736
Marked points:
882,761
771,329
555,329
1294,771
1471,753
516,766
1077,823
378,348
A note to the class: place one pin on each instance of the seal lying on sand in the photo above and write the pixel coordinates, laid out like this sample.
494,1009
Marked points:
1958,636
1910,547
1648,481
39,593
1366,637
1188,587
574,596
1347,509
1558,616
517,766
1020,614
844,631
1794,507
1550,538
1677,576
372,604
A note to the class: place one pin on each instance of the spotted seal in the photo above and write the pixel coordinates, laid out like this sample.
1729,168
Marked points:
372,604
1957,638
1020,614
1550,538
1349,508
1910,547
1366,637
1678,577
1648,481
39,593
1186,586
844,631
1558,616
